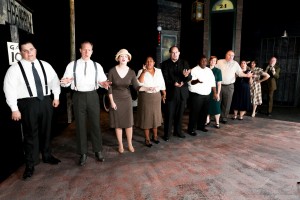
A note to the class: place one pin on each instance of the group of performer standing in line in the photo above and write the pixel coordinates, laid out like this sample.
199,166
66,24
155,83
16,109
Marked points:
207,91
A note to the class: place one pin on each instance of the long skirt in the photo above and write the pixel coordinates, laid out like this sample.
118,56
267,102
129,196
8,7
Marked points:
149,110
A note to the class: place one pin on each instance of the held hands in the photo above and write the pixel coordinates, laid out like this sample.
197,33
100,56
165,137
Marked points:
186,72
249,74
105,84
216,97
66,80
148,89
193,82
178,84
151,89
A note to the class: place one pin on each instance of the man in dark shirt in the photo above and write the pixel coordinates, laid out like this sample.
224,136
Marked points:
176,73
273,70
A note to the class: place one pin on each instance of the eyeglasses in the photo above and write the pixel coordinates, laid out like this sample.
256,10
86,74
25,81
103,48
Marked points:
175,52
28,50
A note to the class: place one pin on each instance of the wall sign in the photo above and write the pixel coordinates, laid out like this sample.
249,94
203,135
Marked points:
13,52
223,5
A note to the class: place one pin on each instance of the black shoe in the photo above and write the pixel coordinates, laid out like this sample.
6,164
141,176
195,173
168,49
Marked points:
155,141
192,133
99,156
203,129
217,126
224,121
36,162
166,138
269,114
180,135
82,159
51,160
148,143
28,172
207,123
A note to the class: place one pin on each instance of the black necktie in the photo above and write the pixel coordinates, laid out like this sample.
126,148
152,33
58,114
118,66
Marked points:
38,84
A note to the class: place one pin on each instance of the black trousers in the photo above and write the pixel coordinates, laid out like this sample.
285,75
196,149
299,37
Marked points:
36,127
87,117
199,105
173,116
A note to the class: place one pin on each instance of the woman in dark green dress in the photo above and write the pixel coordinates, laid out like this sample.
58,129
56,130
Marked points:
215,104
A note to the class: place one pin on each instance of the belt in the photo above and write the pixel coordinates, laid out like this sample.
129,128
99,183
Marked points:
29,98
227,84
75,91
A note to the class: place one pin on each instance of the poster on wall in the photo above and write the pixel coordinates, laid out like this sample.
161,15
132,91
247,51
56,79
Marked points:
13,52
167,40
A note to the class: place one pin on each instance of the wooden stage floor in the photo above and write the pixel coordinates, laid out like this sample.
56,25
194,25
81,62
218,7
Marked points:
255,158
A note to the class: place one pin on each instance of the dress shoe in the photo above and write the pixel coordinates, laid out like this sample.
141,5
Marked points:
51,160
180,135
37,162
217,126
148,143
82,159
99,156
192,133
121,150
131,149
166,138
224,121
28,172
207,123
156,141
269,114
203,129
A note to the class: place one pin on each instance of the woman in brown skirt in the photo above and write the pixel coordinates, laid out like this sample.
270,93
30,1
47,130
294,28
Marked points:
152,91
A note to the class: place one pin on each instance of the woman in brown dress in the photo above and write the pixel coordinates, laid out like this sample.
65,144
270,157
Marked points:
121,113
149,114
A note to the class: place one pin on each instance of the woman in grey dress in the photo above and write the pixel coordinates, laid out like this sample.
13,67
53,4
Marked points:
151,93
121,113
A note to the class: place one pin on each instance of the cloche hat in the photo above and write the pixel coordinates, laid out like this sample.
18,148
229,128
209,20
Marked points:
123,52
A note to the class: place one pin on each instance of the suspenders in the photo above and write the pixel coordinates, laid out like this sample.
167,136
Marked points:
26,80
74,74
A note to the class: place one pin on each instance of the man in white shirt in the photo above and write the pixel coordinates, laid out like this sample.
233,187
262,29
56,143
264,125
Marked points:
200,87
230,69
84,76
34,111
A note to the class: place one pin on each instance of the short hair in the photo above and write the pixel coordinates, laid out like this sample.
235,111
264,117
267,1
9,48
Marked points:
174,46
212,57
25,40
255,61
202,57
86,42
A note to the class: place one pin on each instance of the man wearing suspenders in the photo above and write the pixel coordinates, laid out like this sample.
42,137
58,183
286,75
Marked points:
84,76
28,86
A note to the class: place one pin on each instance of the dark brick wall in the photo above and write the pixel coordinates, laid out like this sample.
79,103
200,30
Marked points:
169,18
